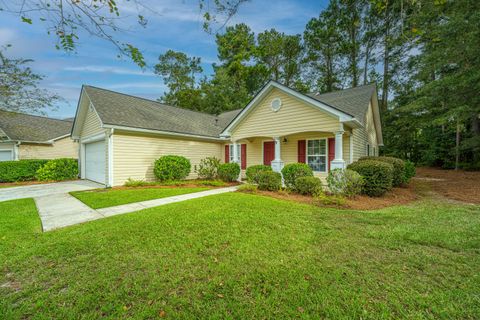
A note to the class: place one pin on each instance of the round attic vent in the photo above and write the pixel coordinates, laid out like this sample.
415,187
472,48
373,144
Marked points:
276,104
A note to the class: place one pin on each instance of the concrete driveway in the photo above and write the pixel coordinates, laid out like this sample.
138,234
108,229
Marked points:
41,190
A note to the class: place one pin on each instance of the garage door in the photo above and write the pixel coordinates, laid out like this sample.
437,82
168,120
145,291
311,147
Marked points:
95,161
5,155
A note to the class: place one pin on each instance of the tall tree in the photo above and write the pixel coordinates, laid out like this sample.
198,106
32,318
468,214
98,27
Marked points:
179,73
444,75
19,87
281,55
322,40
350,28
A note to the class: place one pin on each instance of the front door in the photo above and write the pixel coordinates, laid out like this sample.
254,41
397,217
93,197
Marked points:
331,151
268,152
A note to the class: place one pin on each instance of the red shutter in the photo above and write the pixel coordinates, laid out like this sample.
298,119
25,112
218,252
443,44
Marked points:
244,156
302,151
227,153
331,151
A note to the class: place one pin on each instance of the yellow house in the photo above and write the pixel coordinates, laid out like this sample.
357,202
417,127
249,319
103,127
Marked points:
120,136
24,136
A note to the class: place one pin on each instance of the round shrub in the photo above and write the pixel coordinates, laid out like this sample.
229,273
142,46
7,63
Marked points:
269,180
253,172
229,172
293,171
169,168
398,168
410,171
377,175
208,168
311,186
344,182
58,170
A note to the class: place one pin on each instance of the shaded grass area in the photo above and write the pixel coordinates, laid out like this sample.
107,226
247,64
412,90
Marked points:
244,256
102,198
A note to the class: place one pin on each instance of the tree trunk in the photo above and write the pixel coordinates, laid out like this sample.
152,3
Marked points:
457,146
386,56
365,70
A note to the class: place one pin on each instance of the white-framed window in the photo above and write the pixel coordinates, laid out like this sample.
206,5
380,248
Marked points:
317,154
230,153
368,149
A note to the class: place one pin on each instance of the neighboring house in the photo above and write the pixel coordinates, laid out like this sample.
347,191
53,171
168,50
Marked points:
121,136
24,136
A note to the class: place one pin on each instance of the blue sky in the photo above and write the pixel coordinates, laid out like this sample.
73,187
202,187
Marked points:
176,25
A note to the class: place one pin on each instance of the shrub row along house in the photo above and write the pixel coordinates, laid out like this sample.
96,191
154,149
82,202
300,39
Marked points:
24,136
120,136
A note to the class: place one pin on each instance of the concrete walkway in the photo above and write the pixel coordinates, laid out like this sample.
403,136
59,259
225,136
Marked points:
62,210
47,189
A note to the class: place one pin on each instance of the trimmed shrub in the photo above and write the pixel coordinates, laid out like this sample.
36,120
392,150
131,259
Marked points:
377,175
293,171
168,168
269,180
22,170
345,182
58,170
229,172
398,168
208,168
311,186
323,199
253,172
410,171
248,188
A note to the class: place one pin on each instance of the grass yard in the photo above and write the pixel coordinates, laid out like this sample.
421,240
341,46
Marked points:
244,256
103,198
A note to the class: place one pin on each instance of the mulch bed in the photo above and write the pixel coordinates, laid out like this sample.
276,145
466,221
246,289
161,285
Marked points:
397,196
457,185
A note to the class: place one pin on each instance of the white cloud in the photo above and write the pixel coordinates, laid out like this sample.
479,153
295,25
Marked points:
109,69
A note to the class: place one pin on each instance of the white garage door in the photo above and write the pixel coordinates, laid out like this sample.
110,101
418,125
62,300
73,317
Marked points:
95,161
5,155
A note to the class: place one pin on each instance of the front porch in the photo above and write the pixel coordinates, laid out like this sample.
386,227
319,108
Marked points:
322,151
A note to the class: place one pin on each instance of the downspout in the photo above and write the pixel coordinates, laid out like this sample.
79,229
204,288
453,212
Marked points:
15,150
110,158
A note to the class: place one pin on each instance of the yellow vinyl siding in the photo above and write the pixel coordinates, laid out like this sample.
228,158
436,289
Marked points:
62,148
91,125
134,154
370,129
294,116
362,136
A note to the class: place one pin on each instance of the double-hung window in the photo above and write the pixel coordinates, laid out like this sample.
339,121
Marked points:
239,150
317,154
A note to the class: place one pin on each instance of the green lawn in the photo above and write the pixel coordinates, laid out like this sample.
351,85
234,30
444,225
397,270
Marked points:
244,256
103,198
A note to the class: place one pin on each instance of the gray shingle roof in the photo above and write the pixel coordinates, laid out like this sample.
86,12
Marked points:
25,127
353,101
124,110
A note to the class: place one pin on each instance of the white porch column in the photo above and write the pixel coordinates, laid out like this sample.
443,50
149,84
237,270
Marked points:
277,163
236,158
338,162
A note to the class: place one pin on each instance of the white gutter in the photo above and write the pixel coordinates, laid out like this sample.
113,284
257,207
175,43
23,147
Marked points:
167,133
110,158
